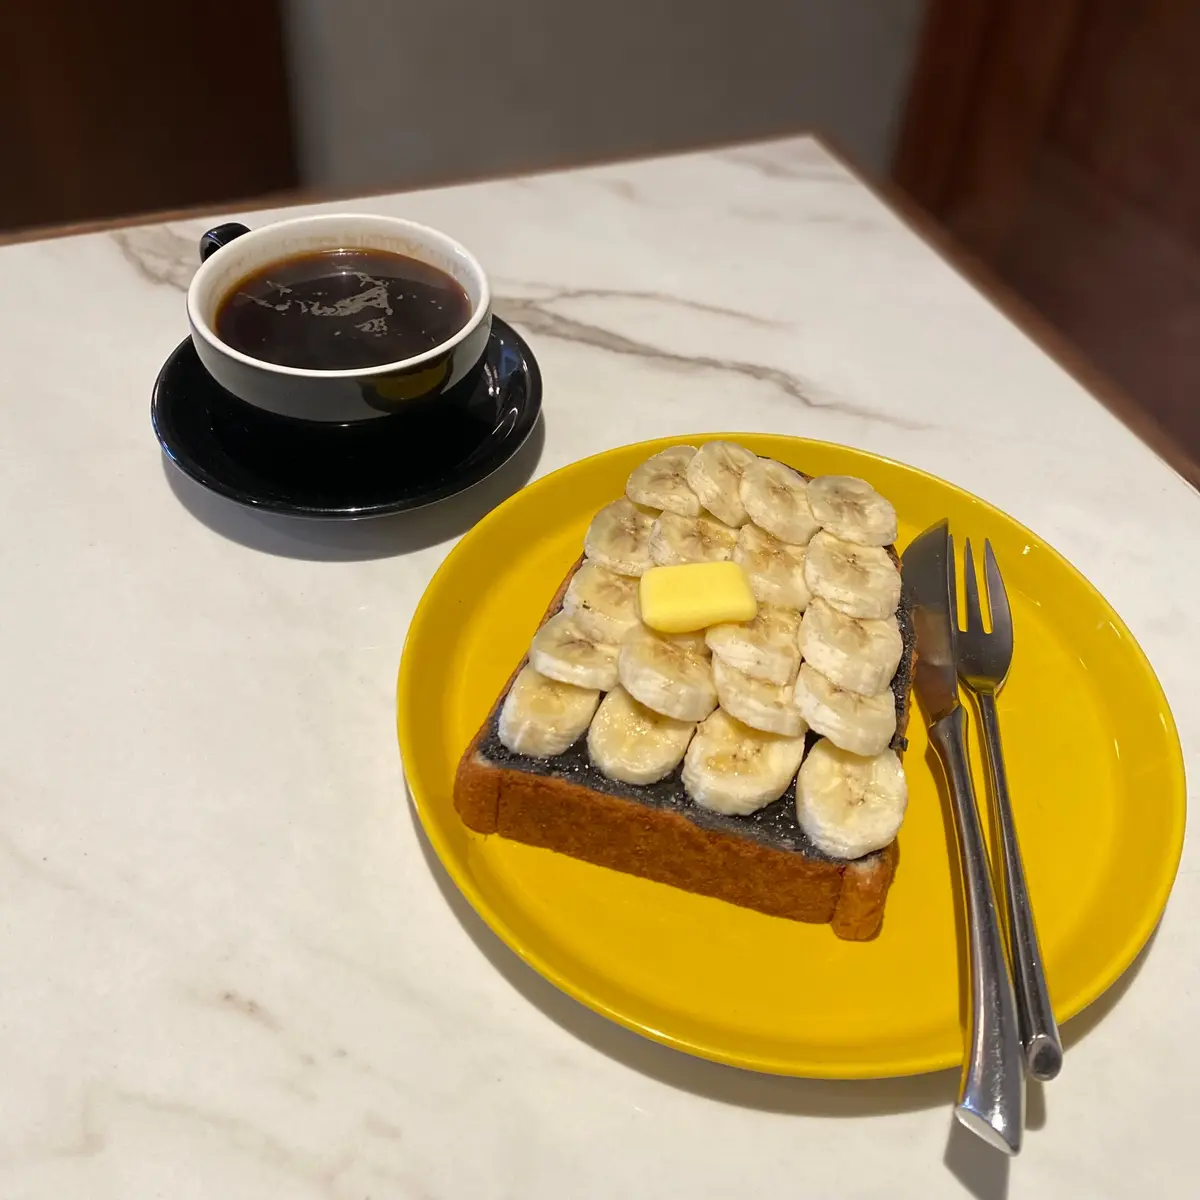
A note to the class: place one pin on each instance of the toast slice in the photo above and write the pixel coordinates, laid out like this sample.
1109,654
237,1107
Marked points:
762,861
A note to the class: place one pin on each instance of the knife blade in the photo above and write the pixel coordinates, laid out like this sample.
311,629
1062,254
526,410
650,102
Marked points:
928,581
991,1097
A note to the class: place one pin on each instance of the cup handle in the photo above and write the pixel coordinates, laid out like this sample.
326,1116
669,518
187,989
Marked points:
218,236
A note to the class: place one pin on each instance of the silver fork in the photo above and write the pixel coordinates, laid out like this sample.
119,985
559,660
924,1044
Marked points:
983,660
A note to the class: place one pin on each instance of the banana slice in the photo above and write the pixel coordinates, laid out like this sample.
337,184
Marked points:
760,705
715,474
619,538
731,768
669,675
695,642
860,724
542,717
850,806
852,510
561,650
604,605
661,482
776,499
859,654
676,540
861,581
632,743
764,648
775,569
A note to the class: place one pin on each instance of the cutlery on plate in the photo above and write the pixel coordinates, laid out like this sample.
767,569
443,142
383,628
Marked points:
991,1098
983,660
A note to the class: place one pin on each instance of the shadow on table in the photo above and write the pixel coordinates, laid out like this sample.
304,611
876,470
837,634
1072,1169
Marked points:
984,1172
350,541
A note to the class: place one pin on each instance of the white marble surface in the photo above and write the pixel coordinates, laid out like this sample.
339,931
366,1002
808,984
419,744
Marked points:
227,966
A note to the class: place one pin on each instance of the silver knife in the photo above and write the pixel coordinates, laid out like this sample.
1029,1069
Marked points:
991,1096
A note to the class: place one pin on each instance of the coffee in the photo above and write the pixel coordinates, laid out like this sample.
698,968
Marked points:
338,310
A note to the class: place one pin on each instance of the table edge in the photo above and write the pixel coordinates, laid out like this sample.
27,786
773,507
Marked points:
1055,345
1021,313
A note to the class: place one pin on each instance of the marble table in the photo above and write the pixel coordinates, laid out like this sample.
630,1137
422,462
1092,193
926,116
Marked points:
228,964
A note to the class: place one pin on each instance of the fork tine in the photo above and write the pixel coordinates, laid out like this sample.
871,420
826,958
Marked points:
997,596
974,616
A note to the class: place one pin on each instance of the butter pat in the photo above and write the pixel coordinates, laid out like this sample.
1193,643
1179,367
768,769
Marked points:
694,596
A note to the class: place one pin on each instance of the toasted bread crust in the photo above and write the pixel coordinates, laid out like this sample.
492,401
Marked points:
865,883
664,846
626,836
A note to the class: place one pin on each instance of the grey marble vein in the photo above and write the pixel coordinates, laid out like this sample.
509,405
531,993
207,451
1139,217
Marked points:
538,318
549,295
783,215
245,1135
621,188
250,1008
159,254
41,871
164,257
777,164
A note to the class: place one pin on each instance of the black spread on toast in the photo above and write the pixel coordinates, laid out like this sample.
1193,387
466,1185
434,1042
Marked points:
774,826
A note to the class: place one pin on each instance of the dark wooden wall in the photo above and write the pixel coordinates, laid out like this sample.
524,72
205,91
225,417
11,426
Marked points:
1059,140
114,109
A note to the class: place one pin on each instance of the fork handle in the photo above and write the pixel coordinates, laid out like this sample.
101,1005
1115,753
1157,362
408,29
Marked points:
1039,1030
991,1095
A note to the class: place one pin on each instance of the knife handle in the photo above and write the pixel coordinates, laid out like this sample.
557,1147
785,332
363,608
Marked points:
1039,1030
991,1094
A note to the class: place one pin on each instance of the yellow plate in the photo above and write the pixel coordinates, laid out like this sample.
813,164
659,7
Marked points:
1093,758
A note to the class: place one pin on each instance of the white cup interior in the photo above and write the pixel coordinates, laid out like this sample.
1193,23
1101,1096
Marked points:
223,270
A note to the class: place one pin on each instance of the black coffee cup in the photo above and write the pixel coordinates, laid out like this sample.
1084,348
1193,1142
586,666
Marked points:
230,253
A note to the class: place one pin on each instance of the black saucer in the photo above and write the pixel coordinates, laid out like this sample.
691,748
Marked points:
310,469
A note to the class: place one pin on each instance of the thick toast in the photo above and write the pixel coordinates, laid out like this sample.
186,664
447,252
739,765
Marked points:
762,861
